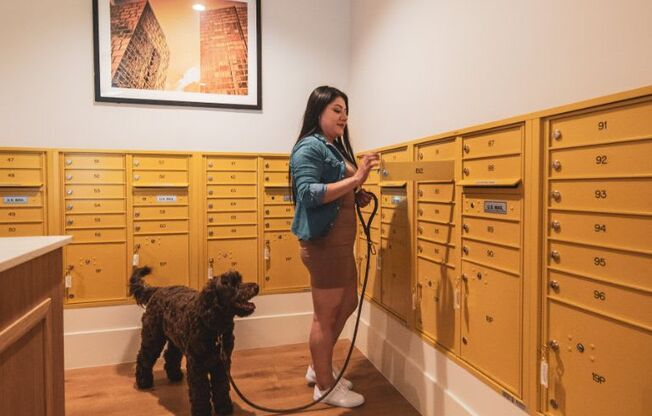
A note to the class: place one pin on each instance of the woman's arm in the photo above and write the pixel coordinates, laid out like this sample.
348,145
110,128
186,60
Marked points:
307,165
340,188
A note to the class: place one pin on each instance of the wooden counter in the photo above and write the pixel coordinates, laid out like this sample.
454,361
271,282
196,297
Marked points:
31,326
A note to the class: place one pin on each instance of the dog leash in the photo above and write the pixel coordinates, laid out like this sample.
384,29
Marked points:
370,250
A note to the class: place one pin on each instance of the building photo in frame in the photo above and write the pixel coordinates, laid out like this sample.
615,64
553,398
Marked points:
203,53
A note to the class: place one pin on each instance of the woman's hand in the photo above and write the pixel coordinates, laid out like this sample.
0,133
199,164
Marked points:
362,198
367,162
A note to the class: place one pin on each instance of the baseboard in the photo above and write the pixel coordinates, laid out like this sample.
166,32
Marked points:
432,383
111,335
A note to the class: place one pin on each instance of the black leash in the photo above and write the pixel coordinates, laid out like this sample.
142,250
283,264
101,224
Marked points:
370,250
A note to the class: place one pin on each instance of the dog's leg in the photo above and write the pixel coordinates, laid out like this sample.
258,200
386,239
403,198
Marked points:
200,404
219,380
152,343
220,389
173,357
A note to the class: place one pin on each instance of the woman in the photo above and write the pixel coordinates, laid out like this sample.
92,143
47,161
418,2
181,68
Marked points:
325,182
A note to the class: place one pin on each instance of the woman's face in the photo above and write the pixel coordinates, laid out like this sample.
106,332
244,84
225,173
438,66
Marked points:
333,119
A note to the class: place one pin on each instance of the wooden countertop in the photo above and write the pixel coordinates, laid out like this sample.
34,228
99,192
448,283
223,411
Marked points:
17,250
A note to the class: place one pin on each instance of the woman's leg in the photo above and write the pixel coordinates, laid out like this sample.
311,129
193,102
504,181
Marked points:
349,304
327,304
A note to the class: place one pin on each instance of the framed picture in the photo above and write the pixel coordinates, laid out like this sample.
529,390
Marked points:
203,53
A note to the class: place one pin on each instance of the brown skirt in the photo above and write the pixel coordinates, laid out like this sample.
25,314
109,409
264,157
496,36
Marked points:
330,258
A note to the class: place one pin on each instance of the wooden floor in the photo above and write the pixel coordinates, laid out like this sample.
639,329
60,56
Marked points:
271,377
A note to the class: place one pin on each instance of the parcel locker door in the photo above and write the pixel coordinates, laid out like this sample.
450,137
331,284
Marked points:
97,272
167,255
598,366
235,255
491,323
436,313
396,278
284,269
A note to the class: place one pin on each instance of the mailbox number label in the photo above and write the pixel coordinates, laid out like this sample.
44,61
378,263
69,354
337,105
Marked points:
600,194
15,200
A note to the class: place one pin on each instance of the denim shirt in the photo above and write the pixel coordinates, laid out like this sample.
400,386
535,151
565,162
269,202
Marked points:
314,163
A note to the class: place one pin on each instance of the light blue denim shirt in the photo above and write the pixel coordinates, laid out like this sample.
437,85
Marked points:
314,163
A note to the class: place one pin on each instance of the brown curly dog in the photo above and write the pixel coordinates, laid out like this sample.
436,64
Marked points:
198,325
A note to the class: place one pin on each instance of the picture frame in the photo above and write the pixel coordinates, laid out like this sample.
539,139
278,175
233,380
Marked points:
199,53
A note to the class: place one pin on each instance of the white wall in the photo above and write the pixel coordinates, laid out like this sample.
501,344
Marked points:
46,73
421,67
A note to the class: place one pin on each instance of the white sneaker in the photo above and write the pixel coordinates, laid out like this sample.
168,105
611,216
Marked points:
340,396
311,377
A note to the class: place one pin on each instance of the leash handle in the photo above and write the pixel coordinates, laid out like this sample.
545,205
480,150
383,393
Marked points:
370,250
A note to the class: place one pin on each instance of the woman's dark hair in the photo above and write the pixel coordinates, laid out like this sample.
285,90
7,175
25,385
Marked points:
317,103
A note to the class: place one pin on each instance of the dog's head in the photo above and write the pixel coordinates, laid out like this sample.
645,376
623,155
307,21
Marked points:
231,295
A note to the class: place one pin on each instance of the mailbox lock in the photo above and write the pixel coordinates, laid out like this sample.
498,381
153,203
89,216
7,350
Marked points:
554,285
479,275
420,156
465,227
465,277
210,179
467,149
555,255
69,207
69,177
556,165
68,162
555,225
580,347
136,162
554,345
556,195
210,164
136,177
465,340
465,250
556,134
466,171
553,403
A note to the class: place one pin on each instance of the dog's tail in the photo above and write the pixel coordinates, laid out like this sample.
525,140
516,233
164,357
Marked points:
139,289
